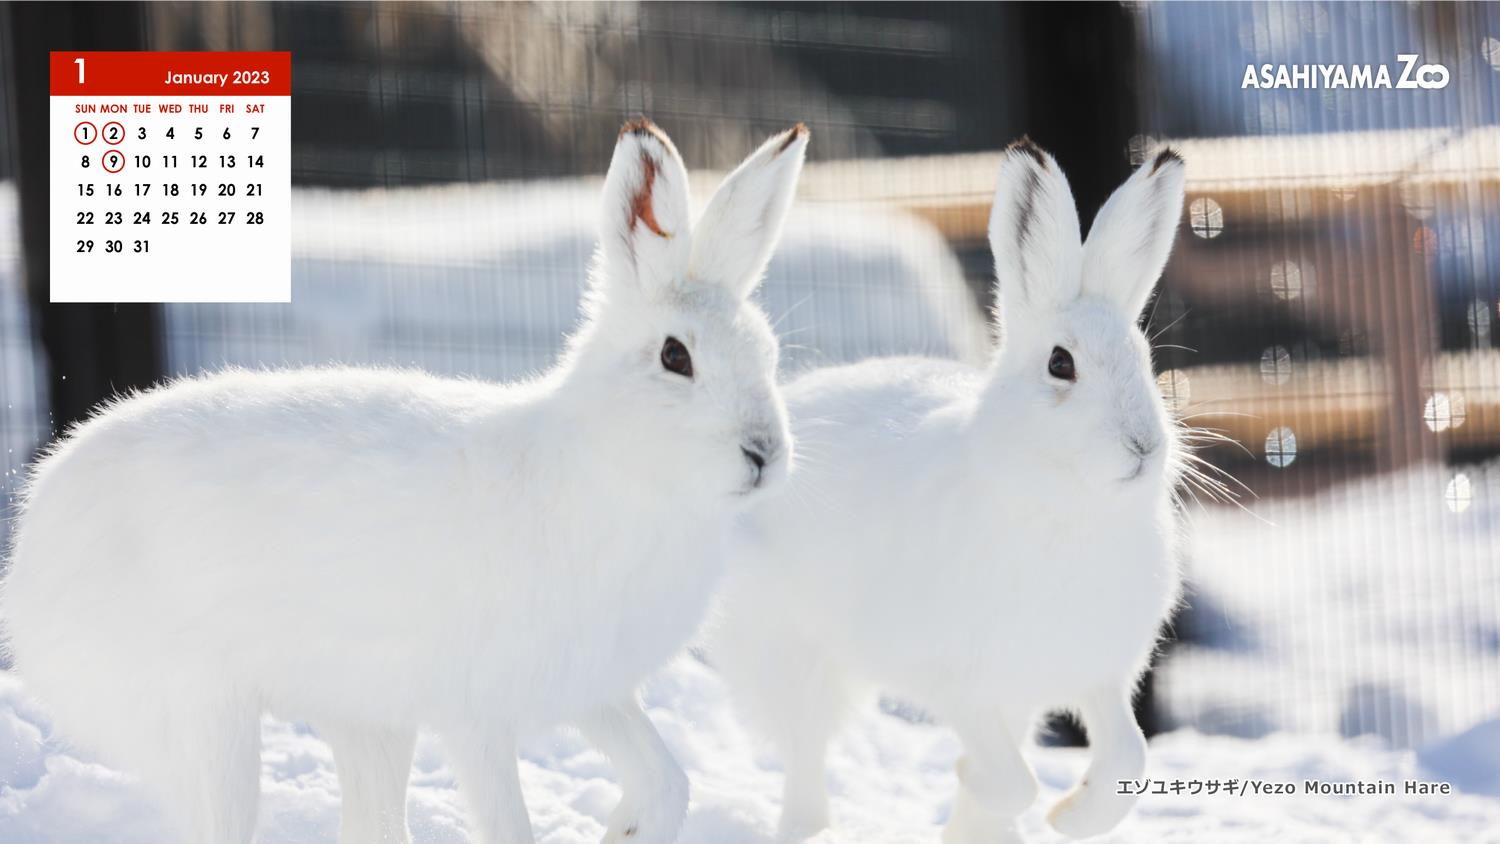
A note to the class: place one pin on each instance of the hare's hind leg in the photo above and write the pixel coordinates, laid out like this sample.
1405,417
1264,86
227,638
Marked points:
654,789
1118,752
804,753
373,767
485,761
995,783
798,696
205,767
815,700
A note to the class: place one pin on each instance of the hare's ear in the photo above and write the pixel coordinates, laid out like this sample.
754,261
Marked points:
1034,231
644,228
740,226
1132,236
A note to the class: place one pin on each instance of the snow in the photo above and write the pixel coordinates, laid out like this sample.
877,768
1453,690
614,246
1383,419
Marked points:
891,780
1371,608
1470,760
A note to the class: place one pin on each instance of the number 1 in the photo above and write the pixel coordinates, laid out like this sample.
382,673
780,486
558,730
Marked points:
79,62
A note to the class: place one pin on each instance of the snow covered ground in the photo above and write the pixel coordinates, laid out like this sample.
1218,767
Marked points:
1371,608
891,779
1327,643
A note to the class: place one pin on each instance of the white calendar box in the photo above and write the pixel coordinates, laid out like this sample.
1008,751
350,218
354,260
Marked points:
171,177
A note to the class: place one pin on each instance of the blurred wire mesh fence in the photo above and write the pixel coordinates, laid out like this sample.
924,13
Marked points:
25,421
1330,305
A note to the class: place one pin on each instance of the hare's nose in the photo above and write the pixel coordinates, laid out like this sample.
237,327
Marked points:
756,458
757,452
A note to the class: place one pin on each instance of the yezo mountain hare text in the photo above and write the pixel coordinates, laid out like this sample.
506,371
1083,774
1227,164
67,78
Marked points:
370,551
984,543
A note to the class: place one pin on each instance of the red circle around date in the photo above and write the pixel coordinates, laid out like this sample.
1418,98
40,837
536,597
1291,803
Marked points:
79,127
104,133
119,161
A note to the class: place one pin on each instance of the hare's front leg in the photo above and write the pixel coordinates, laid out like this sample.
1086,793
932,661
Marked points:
373,767
485,762
654,789
995,783
1118,751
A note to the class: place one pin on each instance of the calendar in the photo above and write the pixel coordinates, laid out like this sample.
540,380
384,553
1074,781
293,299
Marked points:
171,177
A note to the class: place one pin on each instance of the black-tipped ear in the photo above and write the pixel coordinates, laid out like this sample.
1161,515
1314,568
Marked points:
1132,236
1167,156
742,223
645,227
1033,230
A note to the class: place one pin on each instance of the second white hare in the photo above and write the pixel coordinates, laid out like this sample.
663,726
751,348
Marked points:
373,551
986,544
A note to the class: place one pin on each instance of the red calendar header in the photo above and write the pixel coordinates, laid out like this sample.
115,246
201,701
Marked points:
168,74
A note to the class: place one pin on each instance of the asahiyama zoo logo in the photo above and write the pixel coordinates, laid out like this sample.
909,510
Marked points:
1412,75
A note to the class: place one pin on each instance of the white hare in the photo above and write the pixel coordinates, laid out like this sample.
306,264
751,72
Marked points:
984,543
370,551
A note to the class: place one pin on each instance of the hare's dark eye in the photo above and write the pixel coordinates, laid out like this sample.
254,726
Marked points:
675,358
1060,365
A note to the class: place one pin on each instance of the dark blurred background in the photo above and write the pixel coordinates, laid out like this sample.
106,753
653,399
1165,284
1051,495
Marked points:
1329,308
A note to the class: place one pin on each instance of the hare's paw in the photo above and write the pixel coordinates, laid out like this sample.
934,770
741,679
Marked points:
1089,810
803,820
1094,806
971,823
654,820
1008,788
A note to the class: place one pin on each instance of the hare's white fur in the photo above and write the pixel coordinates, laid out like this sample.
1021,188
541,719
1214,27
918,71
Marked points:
374,551
987,543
